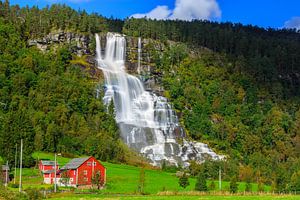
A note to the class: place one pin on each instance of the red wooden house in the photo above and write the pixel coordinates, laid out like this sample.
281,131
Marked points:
83,172
48,170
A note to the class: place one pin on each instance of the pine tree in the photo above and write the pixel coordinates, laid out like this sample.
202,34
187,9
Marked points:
233,185
212,186
295,181
261,187
141,184
184,181
248,187
201,182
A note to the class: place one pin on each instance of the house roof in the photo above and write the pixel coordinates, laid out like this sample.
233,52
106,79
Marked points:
5,167
75,163
49,171
48,162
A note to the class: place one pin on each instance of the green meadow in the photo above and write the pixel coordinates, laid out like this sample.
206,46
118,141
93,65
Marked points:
123,179
181,197
122,183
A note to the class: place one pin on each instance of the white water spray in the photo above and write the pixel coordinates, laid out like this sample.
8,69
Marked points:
139,55
147,121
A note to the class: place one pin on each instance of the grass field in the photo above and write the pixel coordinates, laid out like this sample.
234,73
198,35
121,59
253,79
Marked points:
180,197
122,182
123,179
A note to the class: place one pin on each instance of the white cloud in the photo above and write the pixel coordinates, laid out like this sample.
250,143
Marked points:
160,12
294,22
185,10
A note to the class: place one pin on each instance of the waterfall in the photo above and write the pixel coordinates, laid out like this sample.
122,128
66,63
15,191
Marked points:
139,55
147,122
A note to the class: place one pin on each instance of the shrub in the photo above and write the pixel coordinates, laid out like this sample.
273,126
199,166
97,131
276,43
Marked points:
201,183
184,181
34,194
248,187
233,185
212,186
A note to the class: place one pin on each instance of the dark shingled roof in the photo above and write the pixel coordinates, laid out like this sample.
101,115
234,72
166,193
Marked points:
5,167
49,171
75,163
48,162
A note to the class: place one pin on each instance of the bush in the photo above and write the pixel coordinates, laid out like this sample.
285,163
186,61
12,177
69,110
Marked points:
184,180
295,181
212,186
260,186
233,185
169,168
9,195
248,187
201,183
12,185
34,194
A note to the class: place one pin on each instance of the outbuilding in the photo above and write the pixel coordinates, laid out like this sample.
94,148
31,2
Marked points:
47,169
85,171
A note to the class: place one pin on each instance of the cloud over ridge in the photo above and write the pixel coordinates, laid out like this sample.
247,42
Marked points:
294,22
185,10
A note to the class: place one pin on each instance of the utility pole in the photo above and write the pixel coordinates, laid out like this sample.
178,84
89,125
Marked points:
16,157
220,179
6,174
20,182
55,172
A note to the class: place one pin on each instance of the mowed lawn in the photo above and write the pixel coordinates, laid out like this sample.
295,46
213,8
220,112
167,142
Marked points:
124,179
122,183
180,197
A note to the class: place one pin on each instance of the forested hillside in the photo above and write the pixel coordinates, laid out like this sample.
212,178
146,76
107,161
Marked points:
235,87
221,106
50,103
271,56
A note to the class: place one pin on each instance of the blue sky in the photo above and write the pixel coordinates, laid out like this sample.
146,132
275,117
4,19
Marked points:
264,13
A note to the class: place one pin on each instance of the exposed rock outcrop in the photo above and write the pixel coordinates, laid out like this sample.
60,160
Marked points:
79,42
83,44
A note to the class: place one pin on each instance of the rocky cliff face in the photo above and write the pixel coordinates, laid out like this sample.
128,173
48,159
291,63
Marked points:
80,43
84,44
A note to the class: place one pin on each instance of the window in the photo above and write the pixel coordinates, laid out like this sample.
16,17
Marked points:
95,163
85,179
84,172
89,164
71,179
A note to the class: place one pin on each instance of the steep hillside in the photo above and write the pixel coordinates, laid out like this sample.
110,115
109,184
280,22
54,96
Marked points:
234,87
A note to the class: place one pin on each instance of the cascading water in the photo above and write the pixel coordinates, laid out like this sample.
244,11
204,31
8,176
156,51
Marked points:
147,121
139,55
